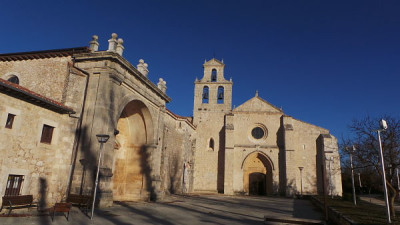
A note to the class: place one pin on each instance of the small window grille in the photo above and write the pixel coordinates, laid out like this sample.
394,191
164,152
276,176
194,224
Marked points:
14,184
47,134
10,121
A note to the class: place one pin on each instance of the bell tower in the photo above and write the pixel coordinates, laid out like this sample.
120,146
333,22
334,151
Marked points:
212,101
213,93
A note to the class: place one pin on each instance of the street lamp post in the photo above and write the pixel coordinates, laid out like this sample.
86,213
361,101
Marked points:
301,181
352,175
383,126
102,138
398,184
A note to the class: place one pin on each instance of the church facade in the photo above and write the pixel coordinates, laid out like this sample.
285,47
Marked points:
256,148
53,104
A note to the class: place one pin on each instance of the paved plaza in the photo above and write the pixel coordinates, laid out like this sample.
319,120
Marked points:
193,209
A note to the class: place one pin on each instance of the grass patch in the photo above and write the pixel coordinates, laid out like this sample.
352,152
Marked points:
363,213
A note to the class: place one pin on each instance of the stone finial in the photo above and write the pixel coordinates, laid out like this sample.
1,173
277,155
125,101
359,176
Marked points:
142,67
162,85
256,93
120,48
94,44
112,43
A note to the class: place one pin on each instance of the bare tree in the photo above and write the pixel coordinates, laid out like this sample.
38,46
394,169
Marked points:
364,137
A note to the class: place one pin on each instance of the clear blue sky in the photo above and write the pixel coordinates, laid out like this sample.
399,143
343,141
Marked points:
324,62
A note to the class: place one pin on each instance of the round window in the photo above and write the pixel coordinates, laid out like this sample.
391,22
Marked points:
257,133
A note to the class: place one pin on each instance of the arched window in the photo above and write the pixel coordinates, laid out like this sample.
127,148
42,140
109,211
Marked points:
220,95
205,94
13,79
214,75
211,144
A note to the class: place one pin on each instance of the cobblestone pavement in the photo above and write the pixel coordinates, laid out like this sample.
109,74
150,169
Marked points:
192,209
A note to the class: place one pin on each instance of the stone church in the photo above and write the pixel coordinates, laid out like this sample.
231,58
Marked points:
53,103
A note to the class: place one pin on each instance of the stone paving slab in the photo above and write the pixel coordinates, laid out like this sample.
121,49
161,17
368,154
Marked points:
192,209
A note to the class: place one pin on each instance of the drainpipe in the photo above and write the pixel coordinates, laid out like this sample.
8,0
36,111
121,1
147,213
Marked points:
78,133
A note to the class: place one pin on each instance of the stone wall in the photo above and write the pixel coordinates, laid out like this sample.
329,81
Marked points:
177,155
45,167
47,76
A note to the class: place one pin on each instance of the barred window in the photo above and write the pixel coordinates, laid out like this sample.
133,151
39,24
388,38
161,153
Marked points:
14,184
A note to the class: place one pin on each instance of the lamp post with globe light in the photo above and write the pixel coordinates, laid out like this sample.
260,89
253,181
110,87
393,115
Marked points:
102,138
383,127
352,174
301,181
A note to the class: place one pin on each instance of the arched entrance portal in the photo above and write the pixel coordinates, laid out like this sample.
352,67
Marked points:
257,174
131,173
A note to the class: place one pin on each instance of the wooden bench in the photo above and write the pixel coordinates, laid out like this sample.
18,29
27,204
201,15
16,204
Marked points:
60,207
83,201
17,201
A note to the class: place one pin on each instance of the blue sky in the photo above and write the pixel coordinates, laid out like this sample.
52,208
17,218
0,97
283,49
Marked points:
323,62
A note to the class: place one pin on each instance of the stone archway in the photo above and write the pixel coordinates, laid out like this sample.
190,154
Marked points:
131,170
257,174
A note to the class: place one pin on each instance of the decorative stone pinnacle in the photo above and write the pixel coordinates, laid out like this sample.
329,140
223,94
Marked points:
94,44
142,67
112,43
120,48
162,85
256,93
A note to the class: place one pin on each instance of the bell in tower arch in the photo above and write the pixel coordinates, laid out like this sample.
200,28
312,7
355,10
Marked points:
205,95
220,96
213,75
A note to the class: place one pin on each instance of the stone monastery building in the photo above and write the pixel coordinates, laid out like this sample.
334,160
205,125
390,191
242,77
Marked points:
53,103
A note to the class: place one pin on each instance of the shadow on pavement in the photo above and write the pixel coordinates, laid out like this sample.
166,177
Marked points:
305,210
153,218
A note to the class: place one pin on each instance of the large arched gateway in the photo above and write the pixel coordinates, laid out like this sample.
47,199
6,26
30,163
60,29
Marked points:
131,169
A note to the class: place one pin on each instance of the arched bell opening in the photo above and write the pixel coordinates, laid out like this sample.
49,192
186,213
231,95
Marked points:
257,174
131,170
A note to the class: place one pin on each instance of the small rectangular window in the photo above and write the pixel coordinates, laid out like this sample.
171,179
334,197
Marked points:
14,184
47,134
10,120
